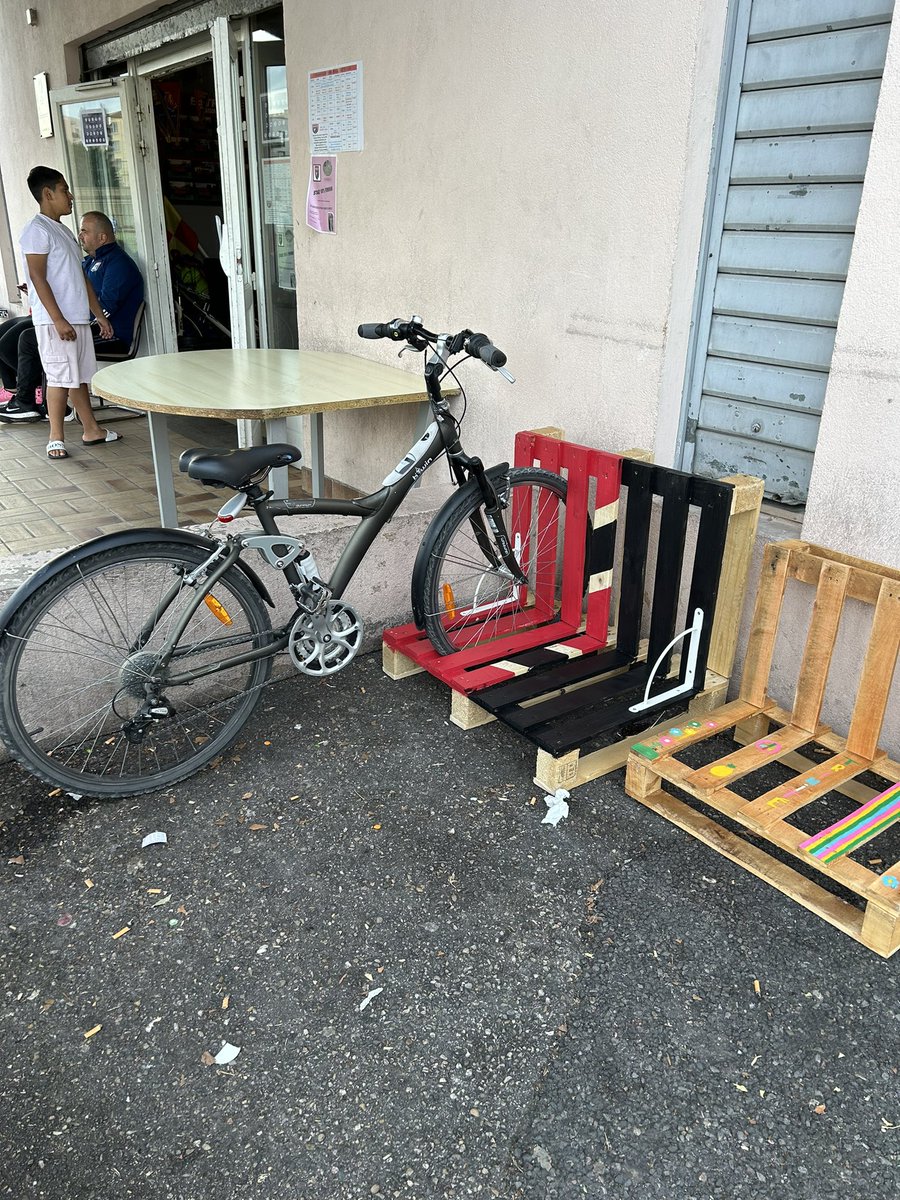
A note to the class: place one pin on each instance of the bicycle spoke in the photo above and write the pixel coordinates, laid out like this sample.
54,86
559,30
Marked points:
89,664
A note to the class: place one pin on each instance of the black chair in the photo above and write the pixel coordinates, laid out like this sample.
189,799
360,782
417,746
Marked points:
116,356
124,355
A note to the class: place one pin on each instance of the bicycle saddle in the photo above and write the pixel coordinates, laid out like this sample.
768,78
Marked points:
235,468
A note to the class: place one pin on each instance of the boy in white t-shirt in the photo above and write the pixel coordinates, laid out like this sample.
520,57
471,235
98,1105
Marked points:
62,301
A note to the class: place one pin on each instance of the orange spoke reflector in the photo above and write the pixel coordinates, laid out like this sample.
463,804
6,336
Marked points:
219,611
449,600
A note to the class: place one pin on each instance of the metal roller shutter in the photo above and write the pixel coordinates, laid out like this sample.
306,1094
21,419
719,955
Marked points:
795,136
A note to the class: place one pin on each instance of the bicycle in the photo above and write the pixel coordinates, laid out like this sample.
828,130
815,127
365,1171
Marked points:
132,661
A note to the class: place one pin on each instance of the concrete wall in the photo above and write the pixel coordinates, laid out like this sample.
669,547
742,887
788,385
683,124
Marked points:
521,176
853,500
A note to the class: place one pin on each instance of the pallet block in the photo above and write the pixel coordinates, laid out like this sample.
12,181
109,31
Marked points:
869,908
567,684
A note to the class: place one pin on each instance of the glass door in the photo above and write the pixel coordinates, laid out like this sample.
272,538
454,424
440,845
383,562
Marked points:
100,126
269,146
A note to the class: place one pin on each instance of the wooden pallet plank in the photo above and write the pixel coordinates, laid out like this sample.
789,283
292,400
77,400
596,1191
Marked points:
638,512
719,721
563,674
865,577
872,929
763,630
746,499
674,487
821,637
878,672
848,873
714,502
789,797
748,759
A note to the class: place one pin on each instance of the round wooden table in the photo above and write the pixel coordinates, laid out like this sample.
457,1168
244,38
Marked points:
262,385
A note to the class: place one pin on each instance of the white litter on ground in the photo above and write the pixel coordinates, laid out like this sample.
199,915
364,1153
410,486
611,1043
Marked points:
155,839
557,808
227,1054
368,999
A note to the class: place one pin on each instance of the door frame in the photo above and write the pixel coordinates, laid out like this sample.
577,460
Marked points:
737,28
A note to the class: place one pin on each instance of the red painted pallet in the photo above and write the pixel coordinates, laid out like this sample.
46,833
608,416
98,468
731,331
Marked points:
594,479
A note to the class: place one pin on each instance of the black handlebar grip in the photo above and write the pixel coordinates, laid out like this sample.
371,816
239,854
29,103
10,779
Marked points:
480,344
373,331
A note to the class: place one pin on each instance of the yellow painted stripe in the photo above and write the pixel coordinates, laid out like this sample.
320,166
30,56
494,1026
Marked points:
513,668
606,515
568,651
603,579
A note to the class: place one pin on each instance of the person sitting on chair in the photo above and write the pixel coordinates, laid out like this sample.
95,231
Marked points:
20,371
115,278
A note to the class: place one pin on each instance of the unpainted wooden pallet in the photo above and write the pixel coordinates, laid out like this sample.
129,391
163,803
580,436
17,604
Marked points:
769,734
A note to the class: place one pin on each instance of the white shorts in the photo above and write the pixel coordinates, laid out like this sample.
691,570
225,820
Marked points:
67,364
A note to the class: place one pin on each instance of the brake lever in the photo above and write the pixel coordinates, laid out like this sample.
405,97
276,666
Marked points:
506,375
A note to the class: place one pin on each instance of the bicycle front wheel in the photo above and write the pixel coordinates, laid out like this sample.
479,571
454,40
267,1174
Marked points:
77,656
469,596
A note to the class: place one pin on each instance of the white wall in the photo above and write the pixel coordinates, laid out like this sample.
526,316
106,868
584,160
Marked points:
523,174
854,499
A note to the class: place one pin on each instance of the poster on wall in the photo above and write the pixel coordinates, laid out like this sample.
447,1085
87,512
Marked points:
321,196
335,109
277,205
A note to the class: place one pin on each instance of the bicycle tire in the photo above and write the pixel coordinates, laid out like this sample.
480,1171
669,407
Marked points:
72,665
483,603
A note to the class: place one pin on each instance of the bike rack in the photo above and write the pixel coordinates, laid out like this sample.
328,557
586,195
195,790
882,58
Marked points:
570,685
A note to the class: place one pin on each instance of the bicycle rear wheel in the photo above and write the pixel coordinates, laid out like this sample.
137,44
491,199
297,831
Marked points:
76,656
469,597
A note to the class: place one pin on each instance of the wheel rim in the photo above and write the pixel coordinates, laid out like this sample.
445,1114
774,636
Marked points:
78,664
475,601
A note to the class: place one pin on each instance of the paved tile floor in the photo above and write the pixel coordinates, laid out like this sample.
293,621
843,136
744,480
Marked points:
47,505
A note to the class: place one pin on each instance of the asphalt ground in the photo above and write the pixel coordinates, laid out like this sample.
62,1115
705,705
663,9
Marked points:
603,1008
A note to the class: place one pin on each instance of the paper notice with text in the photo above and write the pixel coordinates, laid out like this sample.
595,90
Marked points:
336,109
321,196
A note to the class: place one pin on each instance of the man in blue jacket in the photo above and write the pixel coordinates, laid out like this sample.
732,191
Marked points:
114,276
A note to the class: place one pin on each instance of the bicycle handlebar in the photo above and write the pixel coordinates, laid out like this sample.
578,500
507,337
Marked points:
478,345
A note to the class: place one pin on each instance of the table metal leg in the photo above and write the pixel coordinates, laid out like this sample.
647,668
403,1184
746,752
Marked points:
316,454
162,468
276,431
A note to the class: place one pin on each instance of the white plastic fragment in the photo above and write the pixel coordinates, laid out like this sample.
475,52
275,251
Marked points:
557,808
368,999
154,839
227,1054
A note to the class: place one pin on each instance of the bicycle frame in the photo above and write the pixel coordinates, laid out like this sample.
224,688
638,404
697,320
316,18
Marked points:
441,437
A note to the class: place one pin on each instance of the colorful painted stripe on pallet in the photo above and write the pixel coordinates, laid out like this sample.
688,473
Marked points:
856,828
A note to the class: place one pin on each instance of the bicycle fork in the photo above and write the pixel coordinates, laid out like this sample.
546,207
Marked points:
494,545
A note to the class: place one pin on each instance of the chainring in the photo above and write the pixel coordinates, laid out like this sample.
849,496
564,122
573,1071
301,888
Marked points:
324,643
